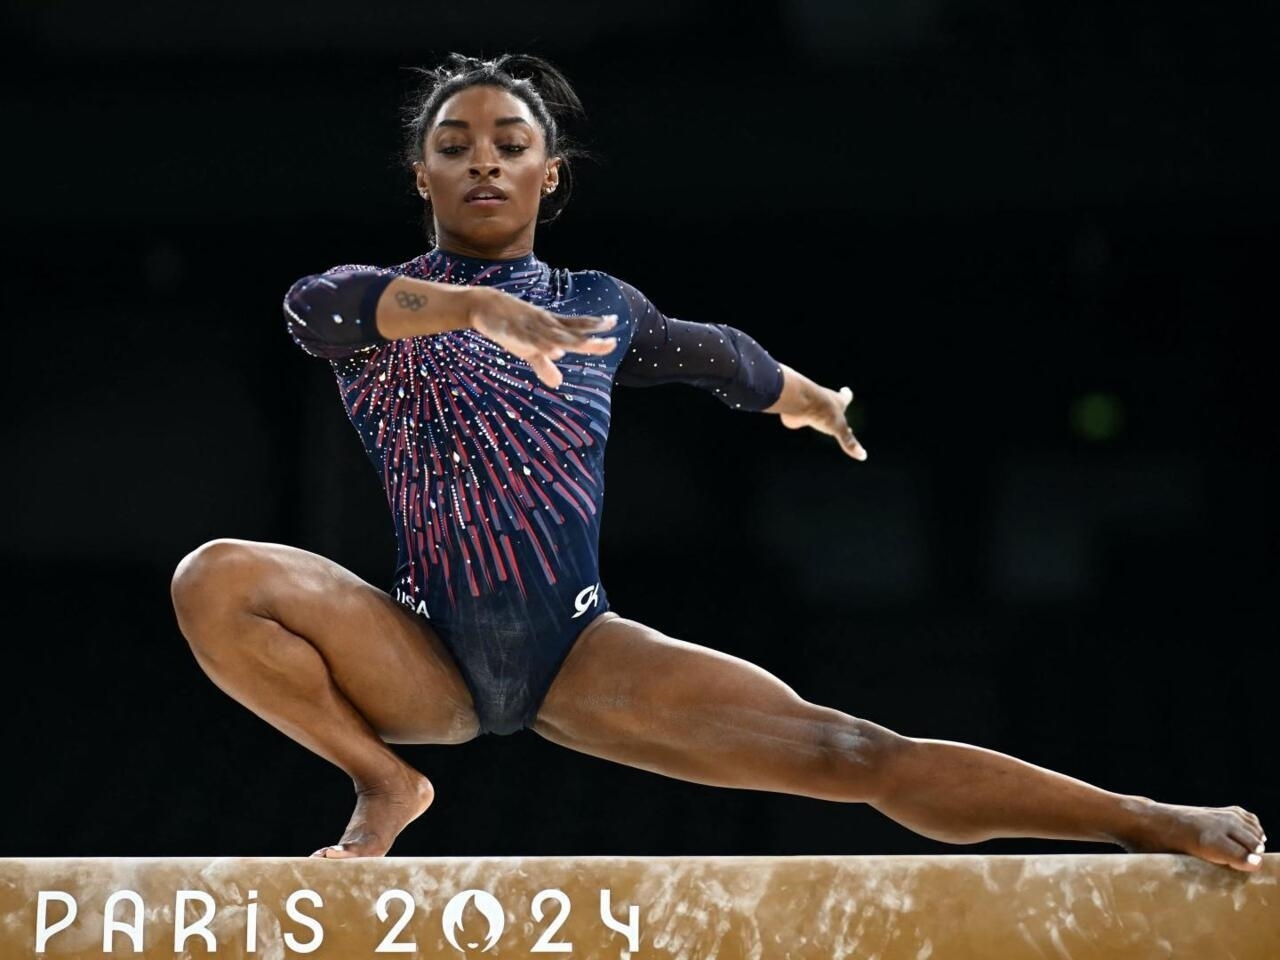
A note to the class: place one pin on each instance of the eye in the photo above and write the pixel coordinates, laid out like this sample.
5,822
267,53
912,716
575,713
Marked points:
451,149
514,147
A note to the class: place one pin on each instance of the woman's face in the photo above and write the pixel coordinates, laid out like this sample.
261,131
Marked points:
485,168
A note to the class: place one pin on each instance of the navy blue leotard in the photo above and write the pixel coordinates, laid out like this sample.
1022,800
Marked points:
495,480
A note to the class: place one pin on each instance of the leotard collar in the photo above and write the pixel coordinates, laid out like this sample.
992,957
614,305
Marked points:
447,267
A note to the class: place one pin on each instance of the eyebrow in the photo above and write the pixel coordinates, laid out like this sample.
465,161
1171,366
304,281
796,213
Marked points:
500,122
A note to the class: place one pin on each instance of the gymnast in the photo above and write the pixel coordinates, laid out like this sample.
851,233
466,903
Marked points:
478,379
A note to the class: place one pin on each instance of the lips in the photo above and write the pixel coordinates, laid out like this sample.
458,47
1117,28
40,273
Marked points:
485,194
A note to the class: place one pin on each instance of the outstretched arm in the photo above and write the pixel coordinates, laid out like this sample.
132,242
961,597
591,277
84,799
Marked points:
733,367
804,403
350,308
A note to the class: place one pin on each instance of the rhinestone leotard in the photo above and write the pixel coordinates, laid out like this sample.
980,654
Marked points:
495,480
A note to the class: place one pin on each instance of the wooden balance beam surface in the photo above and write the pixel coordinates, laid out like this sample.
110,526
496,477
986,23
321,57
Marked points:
1061,907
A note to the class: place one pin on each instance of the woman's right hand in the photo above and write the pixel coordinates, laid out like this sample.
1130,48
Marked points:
536,335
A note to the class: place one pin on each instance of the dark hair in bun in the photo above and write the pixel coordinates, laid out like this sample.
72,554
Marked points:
541,86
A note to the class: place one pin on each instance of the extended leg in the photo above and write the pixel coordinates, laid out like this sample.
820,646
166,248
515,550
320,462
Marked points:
330,661
630,694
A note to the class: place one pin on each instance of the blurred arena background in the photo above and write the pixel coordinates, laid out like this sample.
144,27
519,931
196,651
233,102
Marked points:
1039,241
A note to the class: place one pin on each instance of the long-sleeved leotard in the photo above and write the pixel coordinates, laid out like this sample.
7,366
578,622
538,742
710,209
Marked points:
496,481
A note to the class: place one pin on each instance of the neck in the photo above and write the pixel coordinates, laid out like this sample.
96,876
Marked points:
512,248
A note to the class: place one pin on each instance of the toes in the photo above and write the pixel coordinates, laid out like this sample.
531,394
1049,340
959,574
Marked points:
1253,830
1248,844
337,851
1247,852
1247,817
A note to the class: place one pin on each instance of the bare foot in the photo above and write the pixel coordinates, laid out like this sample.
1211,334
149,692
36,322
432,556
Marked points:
382,811
1225,835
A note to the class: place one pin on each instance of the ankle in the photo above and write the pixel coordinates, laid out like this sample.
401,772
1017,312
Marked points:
1133,825
397,778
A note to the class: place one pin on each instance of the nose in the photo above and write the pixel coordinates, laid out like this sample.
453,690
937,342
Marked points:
483,163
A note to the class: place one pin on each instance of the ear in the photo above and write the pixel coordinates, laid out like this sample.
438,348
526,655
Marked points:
420,179
552,179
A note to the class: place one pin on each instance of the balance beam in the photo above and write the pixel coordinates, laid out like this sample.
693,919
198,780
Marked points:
957,907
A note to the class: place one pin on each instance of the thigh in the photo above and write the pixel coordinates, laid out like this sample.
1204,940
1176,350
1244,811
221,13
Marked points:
386,660
631,694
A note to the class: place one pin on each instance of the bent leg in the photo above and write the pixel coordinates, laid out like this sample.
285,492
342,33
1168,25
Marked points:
330,661
630,694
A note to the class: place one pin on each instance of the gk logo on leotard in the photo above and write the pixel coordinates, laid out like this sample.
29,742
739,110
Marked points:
587,598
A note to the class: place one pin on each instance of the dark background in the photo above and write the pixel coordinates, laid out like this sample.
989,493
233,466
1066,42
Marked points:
1037,240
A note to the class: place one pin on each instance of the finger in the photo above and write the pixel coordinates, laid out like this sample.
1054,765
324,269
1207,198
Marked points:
548,333
546,370
577,342
516,341
576,327
849,443
585,324
595,345
844,433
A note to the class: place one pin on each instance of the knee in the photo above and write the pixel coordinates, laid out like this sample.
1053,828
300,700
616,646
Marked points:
860,756
213,574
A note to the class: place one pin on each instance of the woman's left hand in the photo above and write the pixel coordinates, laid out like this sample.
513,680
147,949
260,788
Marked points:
825,412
